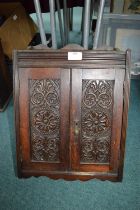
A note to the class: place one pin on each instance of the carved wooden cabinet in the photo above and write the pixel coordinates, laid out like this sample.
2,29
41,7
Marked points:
71,115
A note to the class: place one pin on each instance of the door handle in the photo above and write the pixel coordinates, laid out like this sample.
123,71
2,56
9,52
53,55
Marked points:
76,130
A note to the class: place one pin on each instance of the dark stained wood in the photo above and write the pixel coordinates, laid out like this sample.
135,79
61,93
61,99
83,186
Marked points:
71,175
16,111
71,116
5,82
95,119
125,113
39,143
75,114
117,119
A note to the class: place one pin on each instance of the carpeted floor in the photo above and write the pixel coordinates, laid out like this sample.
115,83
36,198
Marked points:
46,194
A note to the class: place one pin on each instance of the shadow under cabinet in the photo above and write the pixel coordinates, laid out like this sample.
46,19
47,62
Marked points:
5,81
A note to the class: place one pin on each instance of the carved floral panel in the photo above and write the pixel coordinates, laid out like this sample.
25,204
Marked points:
96,115
45,119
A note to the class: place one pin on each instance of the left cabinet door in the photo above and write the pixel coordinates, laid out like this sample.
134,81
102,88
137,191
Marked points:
42,120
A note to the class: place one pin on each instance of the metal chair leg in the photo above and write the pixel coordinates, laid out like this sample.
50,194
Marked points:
71,19
53,25
82,19
98,24
86,23
40,22
91,11
60,22
65,16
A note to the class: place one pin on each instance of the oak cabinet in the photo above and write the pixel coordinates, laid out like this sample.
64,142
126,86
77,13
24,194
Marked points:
71,115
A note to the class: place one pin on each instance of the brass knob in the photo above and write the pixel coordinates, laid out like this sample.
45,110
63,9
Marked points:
76,131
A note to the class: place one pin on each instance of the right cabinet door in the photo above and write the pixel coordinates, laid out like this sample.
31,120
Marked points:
96,119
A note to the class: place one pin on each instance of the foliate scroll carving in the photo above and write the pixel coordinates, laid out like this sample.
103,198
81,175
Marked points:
97,108
97,93
45,119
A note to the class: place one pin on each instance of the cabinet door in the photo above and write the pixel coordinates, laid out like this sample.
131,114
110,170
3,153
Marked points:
96,119
44,119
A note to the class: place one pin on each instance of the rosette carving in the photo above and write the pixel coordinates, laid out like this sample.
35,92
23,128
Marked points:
46,122
95,122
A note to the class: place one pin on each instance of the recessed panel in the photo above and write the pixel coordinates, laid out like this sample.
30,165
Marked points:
45,119
96,121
